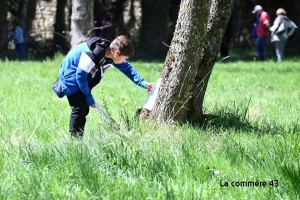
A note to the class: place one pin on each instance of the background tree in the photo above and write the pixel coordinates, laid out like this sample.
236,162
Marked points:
220,12
158,23
133,20
155,18
3,27
117,9
81,20
60,41
192,54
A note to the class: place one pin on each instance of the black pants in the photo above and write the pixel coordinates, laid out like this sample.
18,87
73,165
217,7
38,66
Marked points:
80,110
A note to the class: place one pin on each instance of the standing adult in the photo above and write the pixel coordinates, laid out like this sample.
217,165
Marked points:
282,29
262,30
108,30
17,35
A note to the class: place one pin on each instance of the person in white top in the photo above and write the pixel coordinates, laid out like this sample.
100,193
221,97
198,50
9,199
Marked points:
281,30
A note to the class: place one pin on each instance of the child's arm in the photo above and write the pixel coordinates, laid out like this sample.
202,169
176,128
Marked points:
150,86
131,73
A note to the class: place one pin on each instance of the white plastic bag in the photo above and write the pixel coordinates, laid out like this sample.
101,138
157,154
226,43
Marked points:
11,45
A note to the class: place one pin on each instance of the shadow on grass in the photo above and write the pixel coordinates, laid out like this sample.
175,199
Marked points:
236,119
235,123
12,56
292,174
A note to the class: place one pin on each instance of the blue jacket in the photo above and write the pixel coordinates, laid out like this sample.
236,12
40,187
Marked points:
17,35
85,65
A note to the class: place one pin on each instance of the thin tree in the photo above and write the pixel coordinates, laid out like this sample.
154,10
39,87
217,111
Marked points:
81,20
60,37
190,59
154,30
3,28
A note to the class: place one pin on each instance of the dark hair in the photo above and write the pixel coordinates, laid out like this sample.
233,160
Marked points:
124,45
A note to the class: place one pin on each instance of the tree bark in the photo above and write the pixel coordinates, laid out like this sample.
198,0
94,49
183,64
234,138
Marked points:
81,20
182,60
133,20
220,13
189,59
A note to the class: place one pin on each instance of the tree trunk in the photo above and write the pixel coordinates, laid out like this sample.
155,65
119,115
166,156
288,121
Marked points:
81,20
60,38
182,60
3,27
220,13
29,13
133,20
154,31
199,30
118,16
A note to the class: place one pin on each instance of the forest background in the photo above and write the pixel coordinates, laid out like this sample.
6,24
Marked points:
149,24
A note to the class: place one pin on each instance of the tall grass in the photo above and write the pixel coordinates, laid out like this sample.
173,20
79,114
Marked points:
251,135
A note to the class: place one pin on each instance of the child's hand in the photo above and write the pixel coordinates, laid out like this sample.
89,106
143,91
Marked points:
93,106
150,86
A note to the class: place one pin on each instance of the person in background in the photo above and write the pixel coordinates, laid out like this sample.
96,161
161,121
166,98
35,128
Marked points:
108,30
83,68
254,32
16,35
98,24
281,30
262,30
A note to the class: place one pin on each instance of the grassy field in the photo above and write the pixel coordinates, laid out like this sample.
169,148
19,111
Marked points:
248,149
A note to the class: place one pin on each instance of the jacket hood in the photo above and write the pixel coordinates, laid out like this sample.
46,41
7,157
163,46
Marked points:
97,45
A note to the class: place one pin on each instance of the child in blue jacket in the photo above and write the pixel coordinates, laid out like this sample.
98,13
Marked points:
83,68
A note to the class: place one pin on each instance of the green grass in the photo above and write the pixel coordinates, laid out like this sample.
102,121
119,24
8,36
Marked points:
251,135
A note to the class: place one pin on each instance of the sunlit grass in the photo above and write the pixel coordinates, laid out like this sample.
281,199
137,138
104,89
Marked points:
251,135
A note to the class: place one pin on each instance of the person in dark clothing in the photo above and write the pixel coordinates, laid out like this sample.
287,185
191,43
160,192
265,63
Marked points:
107,30
226,39
83,68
